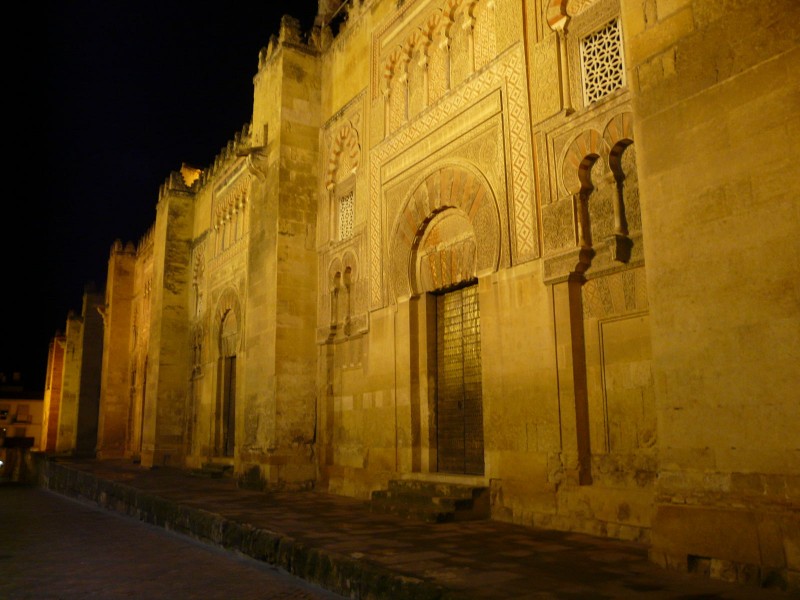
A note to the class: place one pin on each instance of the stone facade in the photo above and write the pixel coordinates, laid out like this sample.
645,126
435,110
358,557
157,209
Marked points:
516,244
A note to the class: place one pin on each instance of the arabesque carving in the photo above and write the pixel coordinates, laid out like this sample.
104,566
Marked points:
615,294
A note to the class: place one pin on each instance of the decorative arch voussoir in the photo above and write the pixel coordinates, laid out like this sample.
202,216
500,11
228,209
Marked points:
334,269
556,14
617,136
587,145
449,187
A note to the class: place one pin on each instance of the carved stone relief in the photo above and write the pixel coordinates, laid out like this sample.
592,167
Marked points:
439,62
507,75
576,7
483,18
417,76
543,168
615,294
396,90
598,174
445,42
558,225
344,155
545,78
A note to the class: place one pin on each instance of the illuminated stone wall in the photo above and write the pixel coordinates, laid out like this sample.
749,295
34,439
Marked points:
716,96
578,194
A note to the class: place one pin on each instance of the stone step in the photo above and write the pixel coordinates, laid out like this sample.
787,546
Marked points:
433,502
213,471
432,488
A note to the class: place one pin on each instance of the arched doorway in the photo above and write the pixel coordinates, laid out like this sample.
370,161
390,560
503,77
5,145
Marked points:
226,394
445,265
447,233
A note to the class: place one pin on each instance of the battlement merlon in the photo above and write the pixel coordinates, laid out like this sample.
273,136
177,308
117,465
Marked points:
316,40
118,248
327,10
190,178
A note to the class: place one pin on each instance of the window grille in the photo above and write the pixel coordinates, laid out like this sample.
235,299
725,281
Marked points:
346,216
601,62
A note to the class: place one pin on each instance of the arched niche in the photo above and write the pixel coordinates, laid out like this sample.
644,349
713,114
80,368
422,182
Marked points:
228,323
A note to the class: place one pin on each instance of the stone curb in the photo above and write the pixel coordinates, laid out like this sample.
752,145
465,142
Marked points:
345,575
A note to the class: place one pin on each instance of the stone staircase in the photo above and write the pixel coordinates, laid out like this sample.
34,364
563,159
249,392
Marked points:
432,502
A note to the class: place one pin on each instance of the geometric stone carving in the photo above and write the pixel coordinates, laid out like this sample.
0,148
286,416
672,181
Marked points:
558,225
601,202
483,19
396,90
546,92
346,216
342,299
601,63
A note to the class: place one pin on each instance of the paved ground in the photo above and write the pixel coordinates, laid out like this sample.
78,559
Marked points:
338,543
57,548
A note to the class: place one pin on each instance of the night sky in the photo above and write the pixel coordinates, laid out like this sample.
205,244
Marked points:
121,94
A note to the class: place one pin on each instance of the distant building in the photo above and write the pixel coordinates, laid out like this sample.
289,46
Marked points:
545,249
20,412
20,425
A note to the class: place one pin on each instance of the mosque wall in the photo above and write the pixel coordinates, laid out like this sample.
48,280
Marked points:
513,245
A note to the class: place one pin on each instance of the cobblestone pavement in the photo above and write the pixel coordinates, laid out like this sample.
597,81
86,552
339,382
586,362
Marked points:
338,543
53,547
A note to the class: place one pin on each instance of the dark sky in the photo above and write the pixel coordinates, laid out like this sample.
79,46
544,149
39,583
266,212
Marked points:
119,95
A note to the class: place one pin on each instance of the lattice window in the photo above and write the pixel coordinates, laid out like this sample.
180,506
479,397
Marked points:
346,215
601,62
